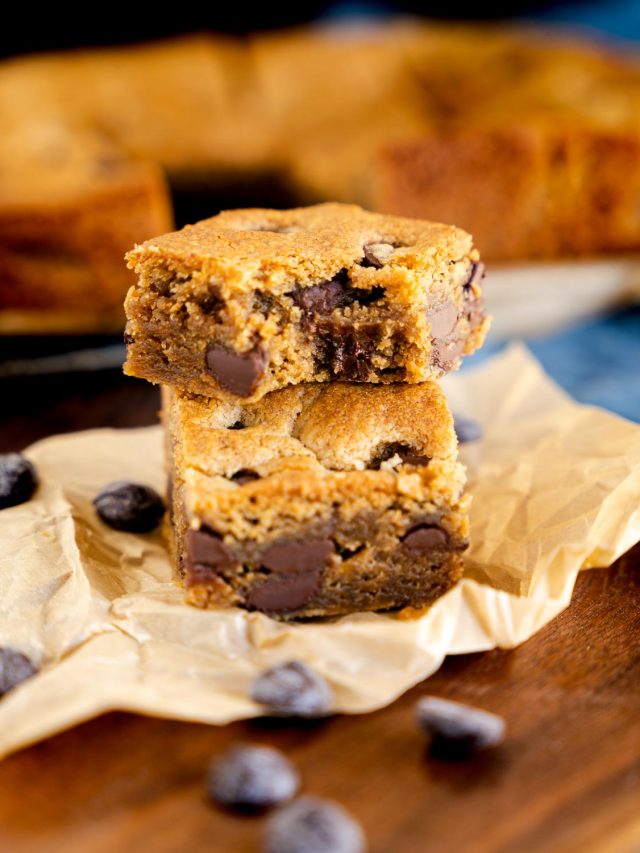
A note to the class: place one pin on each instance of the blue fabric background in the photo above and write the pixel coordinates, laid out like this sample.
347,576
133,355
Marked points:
598,362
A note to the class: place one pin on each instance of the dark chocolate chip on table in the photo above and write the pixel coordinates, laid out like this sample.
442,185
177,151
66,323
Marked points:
458,731
252,778
292,689
313,825
425,537
132,507
239,373
467,429
18,479
15,668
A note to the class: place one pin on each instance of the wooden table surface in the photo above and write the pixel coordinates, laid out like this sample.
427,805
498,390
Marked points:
567,777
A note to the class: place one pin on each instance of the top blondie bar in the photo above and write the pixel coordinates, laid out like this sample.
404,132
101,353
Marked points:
250,301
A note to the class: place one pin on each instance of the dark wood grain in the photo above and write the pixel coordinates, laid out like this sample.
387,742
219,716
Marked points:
567,777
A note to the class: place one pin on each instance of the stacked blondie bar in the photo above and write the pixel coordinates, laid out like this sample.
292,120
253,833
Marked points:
312,456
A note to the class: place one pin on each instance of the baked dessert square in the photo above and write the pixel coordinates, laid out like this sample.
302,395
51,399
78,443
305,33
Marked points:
318,500
251,301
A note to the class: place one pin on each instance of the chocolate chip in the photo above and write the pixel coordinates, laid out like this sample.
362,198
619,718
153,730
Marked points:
443,319
478,272
377,254
321,298
129,506
14,669
239,373
298,556
346,350
292,689
18,479
458,730
407,455
205,548
424,537
467,429
252,778
237,425
445,354
312,825
245,475
284,592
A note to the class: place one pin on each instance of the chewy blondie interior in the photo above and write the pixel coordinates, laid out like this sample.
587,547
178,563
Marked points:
317,500
253,300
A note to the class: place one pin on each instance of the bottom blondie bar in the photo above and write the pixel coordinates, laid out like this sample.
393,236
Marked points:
317,500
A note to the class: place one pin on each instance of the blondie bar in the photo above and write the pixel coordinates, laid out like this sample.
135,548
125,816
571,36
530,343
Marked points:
253,300
316,500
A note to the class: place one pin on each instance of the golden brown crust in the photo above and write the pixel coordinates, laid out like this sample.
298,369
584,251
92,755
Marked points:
259,284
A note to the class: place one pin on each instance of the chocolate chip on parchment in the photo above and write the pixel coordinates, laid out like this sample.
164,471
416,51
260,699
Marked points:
425,537
18,479
252,778
313,825
131,507
14,669
239,373
467,429
292,689
456,730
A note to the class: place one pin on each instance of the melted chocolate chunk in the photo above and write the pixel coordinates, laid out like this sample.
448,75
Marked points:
205,549
245,475
446,353
406,453
425,537
345,351
239,373
320,300
284,592
443,319
298,556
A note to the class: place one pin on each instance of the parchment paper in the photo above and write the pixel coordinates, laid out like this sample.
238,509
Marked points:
556,487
